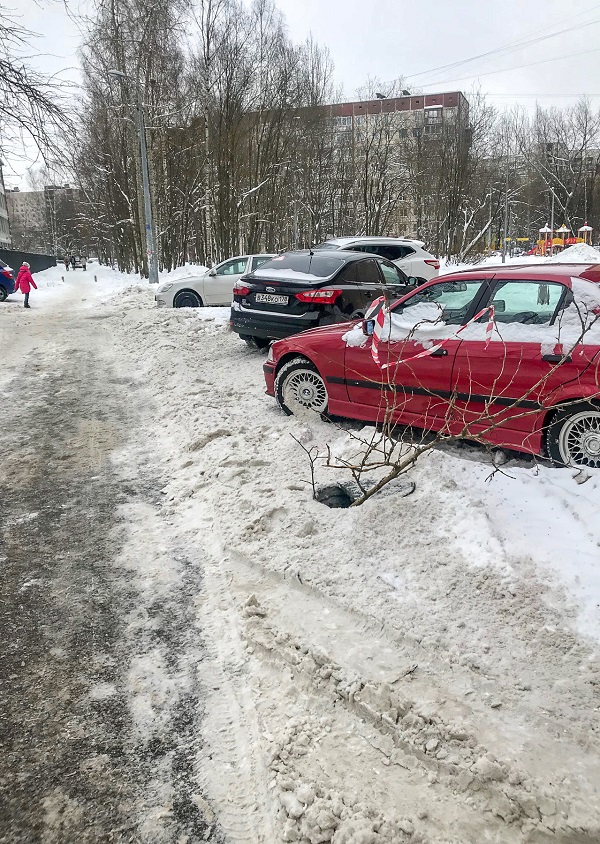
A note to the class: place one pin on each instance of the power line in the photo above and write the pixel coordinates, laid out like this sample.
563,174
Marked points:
509,69
512,46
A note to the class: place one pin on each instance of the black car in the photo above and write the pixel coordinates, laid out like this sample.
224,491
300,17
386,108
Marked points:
300,290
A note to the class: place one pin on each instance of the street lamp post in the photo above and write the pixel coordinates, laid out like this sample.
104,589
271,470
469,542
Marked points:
552,224
148,221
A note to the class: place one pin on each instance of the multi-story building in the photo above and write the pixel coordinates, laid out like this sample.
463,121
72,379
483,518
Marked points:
414,113
399,133
45,220
27,215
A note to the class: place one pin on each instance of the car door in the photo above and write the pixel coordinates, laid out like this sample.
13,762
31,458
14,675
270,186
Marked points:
500,386
405,385
219,282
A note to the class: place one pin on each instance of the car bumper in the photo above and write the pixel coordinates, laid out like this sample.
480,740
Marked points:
269,373
162,301
270,328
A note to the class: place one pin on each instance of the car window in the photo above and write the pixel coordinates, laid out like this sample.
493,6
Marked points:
321,265
394,253
236,266
527,302
391,274
454,299
367,273
258,261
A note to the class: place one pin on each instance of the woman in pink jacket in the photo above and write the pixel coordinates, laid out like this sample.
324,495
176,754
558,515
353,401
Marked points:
25,282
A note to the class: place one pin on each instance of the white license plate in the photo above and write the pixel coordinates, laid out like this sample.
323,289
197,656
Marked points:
271,299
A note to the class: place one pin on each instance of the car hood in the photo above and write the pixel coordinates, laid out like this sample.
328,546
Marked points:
330,331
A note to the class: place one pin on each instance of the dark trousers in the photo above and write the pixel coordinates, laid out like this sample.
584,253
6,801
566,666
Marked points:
26,305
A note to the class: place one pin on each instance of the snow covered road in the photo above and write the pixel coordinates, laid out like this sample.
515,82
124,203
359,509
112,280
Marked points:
217,656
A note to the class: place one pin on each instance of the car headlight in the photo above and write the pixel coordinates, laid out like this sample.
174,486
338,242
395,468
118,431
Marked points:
271,355
164,287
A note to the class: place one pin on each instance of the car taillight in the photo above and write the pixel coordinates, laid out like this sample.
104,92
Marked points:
435,264
6,273
241,290
323,297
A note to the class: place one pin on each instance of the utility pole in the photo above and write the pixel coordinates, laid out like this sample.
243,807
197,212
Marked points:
552,223
151,250
149,222
505,226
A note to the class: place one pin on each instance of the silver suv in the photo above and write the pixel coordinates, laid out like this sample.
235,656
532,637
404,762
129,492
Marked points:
406,254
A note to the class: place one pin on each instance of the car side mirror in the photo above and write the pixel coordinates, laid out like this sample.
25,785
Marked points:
499,306
412,281
368,327
212,272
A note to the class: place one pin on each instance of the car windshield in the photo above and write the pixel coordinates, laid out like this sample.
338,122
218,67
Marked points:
318,266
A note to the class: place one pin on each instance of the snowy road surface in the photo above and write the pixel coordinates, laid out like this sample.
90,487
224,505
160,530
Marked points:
193,649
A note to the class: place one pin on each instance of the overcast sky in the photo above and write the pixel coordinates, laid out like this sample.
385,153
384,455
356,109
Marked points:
415,39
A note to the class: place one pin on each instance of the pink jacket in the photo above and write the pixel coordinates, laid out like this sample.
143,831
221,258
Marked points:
24,281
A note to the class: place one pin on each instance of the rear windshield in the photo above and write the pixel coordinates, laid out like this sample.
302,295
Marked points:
319,266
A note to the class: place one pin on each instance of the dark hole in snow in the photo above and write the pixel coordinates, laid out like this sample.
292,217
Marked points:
334,495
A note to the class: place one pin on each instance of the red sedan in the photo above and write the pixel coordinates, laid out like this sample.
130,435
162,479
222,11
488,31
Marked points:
504,355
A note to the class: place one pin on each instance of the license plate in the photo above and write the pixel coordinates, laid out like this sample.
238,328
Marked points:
271,299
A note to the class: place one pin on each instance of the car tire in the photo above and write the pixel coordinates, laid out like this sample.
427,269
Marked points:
260,343
573,436
300,389
187,299
3,294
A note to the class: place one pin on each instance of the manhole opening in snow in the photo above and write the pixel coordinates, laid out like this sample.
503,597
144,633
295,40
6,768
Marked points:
334,495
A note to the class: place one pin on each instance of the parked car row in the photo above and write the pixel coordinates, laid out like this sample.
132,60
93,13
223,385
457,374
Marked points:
508,355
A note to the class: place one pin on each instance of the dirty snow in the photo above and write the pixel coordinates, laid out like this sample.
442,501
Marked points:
417,669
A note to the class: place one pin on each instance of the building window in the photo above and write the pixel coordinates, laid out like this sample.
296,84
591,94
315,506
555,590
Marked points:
343,123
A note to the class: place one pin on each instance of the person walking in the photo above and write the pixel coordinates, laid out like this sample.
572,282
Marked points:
25,282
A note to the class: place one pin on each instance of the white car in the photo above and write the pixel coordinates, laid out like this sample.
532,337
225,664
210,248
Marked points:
405,253
213,287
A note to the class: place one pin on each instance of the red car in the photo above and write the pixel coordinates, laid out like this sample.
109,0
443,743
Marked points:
505,355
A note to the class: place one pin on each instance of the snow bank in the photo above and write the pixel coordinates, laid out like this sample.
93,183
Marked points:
580,252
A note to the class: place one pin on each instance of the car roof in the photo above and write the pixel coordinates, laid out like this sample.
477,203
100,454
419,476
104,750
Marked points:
587,270
364,239
344,254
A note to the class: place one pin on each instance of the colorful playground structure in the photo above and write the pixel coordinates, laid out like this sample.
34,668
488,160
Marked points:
551,241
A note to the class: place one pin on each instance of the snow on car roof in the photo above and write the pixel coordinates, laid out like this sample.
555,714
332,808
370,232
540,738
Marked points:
344,240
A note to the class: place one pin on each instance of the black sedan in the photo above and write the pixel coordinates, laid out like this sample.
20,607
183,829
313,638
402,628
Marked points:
300,290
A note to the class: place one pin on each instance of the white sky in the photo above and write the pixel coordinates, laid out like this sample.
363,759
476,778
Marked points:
388,38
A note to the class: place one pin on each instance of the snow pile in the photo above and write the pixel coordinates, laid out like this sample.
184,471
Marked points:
186,271
580,252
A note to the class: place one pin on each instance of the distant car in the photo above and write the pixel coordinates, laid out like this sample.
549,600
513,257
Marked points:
7,281
529,385
78,262
213,287
404,252
304,289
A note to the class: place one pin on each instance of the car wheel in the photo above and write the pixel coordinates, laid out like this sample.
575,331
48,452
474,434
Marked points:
256,342
573,437
300,390
187,299
3,294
